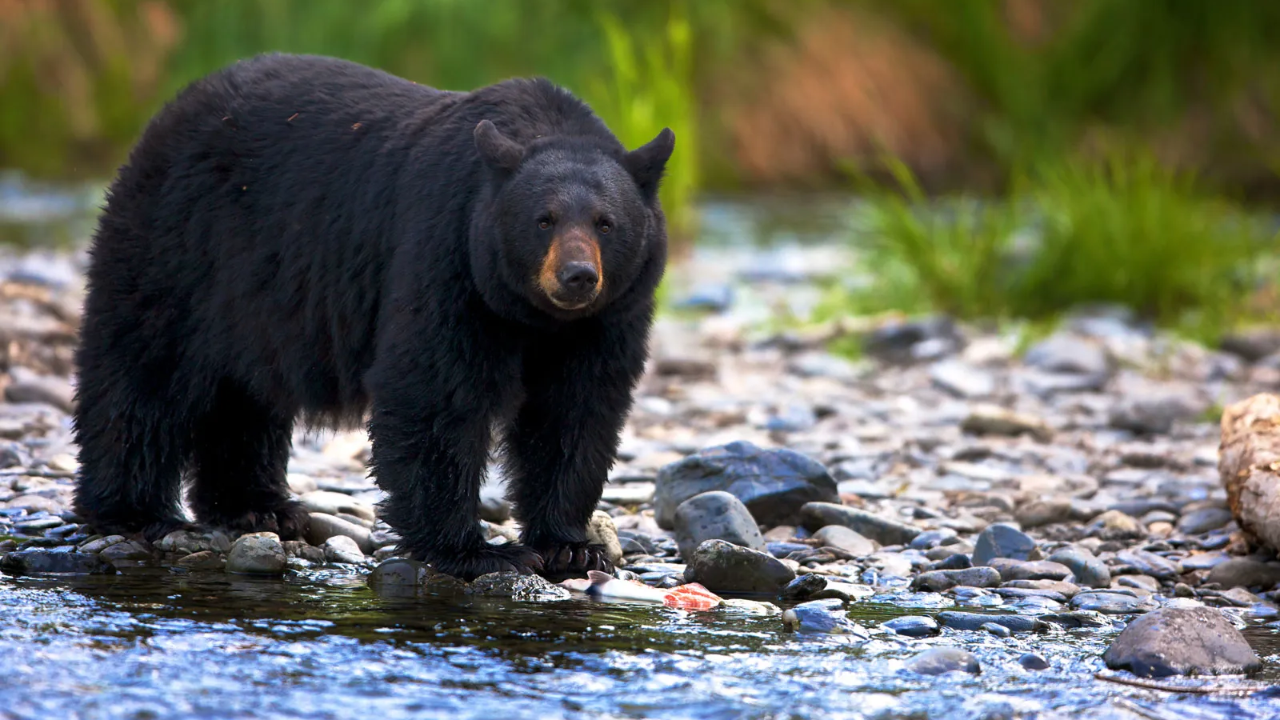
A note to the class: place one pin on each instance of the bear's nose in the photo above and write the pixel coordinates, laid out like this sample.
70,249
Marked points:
578,277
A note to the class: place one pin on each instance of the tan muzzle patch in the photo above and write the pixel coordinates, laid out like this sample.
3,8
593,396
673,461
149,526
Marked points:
572,275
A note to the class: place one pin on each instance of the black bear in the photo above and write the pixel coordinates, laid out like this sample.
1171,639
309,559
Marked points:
305,237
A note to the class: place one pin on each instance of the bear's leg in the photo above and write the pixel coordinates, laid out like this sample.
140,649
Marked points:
435,393
241,450
132,451
565,438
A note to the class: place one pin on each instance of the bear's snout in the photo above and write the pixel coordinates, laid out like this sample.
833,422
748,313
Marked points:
571,275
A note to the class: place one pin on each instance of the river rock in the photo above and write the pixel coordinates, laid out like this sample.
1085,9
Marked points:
1032,661
846,539
1068,353
186,542
511,584
602,531
975,621
336,503
962,379
938,661
987,419
1245,573
724,567
41,561
31,387
1109,603
128,551
203,560
1089,571
715,515
1151,413
773,484
939,580
1181,641
257,554
911,340
817,515
1003,541
1203,520
323,527
820,617
1149,563
35,503
1011,569
342,549
1116,525
1249,466
915,626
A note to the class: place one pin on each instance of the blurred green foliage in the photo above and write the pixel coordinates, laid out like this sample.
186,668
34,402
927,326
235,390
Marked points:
1123,229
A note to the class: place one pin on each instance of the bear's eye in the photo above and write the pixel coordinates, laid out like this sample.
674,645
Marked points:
544,223
605,227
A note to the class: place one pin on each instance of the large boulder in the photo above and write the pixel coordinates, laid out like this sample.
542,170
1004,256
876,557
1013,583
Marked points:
1249,465
1181,641
724,567
773,484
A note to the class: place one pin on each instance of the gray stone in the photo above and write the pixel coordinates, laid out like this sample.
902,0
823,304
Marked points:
323,527
129,551
773,484
1149,563
724,567
1011,569
1116,525
817,515
510,584
203,560
715,515
398,572
342,549
1038,513
31,387
820,617
906,341
257,554
102,543
41,561
1181,641
996,629
35,503
1203,520
601,531
1088,570
1066,353
1109,603
1252,345
185,542
1152,413
939,580
1245,573
1003,541
962,379
1032,661
846,539
335,503
938,661
912,625
975,621
995,420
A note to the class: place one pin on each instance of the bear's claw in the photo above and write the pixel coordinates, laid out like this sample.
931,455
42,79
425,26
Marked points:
289,520
574,560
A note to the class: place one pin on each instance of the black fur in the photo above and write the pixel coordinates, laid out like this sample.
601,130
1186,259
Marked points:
297,237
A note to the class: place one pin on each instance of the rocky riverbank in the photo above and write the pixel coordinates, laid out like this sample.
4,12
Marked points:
1064,484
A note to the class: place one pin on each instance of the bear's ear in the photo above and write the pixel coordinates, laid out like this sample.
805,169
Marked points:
497,150
647,162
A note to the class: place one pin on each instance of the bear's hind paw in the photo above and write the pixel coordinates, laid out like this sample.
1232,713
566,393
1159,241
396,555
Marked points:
289,520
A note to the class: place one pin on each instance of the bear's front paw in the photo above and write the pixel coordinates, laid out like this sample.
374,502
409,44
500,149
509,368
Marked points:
573,560
487,559
289,520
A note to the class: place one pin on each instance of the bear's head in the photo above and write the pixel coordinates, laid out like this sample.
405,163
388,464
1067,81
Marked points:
570,223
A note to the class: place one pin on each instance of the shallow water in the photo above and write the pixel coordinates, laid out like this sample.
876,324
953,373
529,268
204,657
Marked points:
156,644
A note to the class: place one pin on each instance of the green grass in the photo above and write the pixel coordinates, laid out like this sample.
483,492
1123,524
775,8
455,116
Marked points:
1123,230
